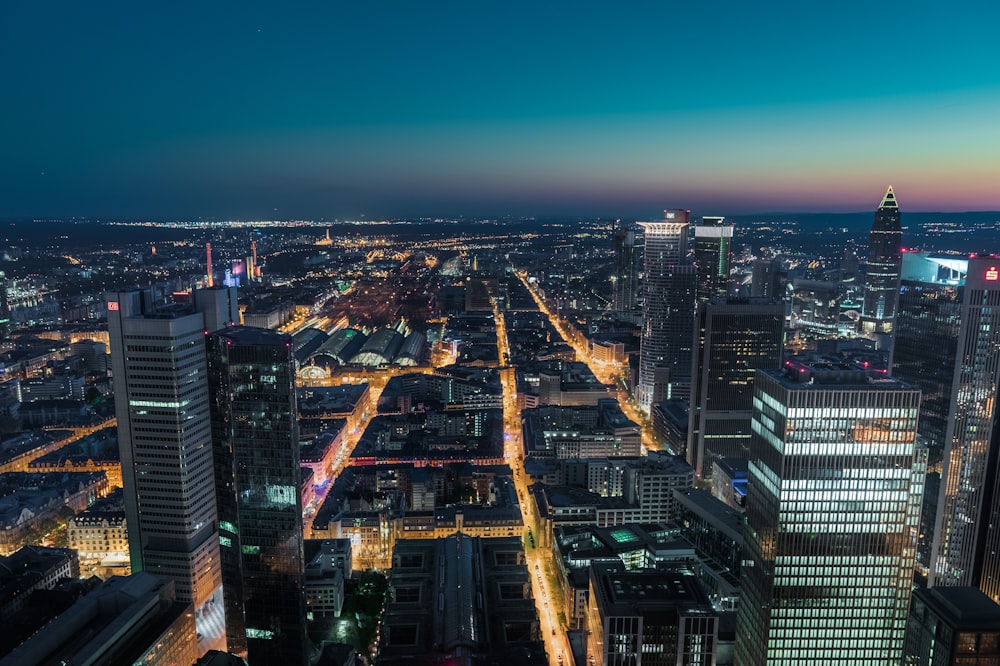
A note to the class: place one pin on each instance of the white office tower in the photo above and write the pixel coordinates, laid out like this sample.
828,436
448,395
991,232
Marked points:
164,434
833,506
669,288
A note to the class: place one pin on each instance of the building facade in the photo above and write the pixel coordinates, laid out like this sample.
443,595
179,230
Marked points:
834,496
948,343
164,436
882,273
713,240
733,339
668,311
258,481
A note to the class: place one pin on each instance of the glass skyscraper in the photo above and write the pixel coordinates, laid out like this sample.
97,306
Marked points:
882,273
713,240
835,485
624,296
258,481
948,340
668,311
734,337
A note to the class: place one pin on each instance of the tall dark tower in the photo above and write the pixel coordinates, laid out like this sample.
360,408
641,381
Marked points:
713,241
733,339
624,297
882,275
258,485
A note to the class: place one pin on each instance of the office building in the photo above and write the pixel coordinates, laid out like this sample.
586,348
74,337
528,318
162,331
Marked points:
882,269
733,338
165,440
767,279
947,344
668,311
952,626
258,482
832,510
713,240
625,278
126,620
649,618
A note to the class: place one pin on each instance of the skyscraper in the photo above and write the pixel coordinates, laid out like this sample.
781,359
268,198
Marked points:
882,273
733,338
832,507
164,436
258,481
713,241
624,297
948,341
668,311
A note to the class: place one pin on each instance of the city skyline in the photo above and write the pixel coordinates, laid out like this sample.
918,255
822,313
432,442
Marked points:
251,111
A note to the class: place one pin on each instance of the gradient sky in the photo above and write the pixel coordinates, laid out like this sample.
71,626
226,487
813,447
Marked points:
338,109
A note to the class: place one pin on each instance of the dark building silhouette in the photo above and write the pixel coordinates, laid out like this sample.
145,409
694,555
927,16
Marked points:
624,290
952,626
767,279
882,272
258,484
713,241
733,338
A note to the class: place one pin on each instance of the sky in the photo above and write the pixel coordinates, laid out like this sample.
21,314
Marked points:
338,110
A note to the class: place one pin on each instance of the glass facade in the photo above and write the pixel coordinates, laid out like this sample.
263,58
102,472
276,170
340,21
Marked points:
734,338
713,241
882,270
668,311
836,482
948,342
258,482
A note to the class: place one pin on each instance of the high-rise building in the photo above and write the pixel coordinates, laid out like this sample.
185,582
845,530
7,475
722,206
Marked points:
4,307
734,337
948,343
668,311
882,272
625,279
834,496
713,240
952,626
767,280
258,482
165,440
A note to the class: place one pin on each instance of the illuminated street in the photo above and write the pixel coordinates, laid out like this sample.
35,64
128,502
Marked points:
546,588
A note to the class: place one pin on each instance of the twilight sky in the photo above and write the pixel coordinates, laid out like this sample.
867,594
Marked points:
338,109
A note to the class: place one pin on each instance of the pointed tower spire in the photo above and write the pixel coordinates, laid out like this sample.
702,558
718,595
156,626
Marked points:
889,200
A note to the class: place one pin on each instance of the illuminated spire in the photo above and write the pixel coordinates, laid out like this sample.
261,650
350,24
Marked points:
889,200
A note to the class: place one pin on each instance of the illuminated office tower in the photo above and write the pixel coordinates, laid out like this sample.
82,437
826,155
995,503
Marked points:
164,437
625,280
733,338
258,481
833,501
668,311
713,240
948,343
882,272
